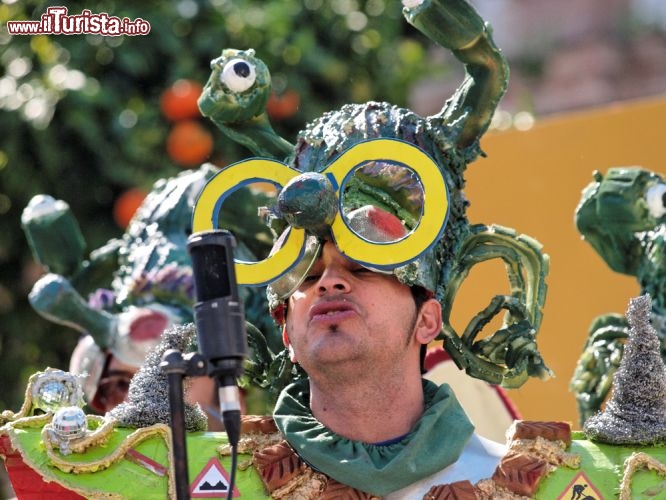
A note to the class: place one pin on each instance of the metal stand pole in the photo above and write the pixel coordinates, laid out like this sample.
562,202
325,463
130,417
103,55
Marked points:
175,366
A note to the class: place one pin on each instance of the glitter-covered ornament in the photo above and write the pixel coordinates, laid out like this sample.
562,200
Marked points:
55,389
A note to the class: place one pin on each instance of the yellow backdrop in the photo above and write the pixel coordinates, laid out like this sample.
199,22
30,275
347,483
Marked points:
531,181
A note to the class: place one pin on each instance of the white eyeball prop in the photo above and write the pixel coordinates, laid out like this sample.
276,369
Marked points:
655,196
239,75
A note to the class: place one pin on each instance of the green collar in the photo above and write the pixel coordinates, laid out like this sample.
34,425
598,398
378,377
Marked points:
436,441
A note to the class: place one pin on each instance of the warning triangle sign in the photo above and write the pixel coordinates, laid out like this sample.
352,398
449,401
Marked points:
212,482
580,488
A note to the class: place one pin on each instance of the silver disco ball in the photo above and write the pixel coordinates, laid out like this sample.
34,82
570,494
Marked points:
69,423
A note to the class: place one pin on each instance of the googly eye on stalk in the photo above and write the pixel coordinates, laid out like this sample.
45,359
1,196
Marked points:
238,75
655,196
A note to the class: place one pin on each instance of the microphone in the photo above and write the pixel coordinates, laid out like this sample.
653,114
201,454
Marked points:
220,319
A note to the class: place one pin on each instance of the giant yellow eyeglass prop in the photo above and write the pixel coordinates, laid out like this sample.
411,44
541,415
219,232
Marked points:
404,183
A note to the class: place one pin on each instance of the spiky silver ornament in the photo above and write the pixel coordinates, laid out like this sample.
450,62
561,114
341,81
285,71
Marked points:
148,397
636,412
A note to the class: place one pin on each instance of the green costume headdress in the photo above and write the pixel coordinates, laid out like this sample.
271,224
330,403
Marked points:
385,185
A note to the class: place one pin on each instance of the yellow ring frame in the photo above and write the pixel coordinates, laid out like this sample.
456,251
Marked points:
433,220
207,208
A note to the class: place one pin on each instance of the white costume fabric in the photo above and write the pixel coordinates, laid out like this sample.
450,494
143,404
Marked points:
477,461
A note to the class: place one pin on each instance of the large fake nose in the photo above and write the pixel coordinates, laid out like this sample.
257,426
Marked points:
308,201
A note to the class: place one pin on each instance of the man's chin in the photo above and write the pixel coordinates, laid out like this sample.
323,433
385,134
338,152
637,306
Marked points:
335,350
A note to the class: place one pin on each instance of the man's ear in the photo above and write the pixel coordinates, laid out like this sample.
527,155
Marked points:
428,321
287,344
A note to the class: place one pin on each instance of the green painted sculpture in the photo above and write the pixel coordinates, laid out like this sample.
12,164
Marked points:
622,215
127,292
147,267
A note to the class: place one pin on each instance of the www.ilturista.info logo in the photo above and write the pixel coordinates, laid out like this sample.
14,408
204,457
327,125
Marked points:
55,21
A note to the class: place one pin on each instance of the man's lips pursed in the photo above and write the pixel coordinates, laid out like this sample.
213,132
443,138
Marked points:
332,311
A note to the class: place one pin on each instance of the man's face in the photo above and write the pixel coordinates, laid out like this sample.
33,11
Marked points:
344,315
113,386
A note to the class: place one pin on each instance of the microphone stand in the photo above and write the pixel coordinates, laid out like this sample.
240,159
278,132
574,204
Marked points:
220,321
176,366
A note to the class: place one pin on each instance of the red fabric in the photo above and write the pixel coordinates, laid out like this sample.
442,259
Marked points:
26,482
434,357
438,355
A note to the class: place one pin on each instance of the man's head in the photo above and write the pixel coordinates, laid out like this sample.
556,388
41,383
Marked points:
345,315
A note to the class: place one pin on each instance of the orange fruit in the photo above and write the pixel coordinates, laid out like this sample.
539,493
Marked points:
179,101
189,143
126,206
283,106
